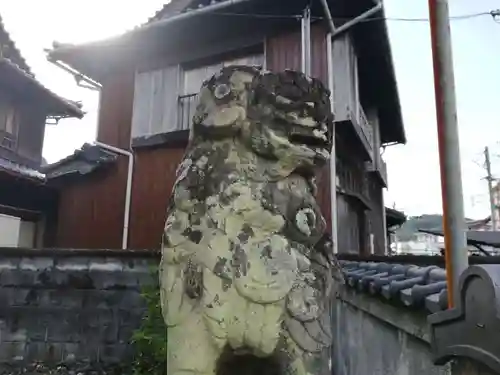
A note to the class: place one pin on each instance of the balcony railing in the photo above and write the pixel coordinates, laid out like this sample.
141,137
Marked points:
366,129
7,140
379,167
186,110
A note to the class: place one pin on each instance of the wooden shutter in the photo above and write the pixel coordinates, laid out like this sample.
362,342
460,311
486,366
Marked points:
155,102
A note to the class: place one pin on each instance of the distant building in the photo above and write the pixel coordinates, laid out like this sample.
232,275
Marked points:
28,207
420,244
481,225
430,244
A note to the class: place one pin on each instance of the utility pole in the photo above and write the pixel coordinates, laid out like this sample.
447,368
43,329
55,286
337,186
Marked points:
456,253
490,180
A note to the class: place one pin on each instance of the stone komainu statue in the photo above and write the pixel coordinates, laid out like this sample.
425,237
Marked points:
247,268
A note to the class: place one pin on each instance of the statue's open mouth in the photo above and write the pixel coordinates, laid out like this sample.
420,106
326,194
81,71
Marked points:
309,140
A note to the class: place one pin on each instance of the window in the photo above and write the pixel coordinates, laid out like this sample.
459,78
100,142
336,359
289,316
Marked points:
8,125
165,100
8,119
194,78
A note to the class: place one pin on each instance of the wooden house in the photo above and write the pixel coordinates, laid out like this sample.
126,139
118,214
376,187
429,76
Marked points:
149,78
26,203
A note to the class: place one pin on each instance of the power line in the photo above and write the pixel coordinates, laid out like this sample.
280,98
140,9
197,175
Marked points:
495,14
453,18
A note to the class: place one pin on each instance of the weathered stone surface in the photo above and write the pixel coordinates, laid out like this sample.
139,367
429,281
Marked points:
247,266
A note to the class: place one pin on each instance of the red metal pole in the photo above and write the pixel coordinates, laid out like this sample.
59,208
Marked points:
456,255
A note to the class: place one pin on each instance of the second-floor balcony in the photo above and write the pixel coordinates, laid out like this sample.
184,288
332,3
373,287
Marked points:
364,130
350,115
352,121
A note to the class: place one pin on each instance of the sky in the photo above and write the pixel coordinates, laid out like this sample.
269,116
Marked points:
414,184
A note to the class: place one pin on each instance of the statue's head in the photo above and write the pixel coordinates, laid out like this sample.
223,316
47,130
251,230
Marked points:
280,116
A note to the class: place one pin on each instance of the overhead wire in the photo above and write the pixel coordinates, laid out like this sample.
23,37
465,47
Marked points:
495,14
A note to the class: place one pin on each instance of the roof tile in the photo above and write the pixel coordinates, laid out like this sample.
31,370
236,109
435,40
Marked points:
13,52
410,285
83,161
176,7
22,170
71,108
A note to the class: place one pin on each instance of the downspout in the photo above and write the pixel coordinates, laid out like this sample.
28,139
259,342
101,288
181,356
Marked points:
328,15
333,153
306,42
128,192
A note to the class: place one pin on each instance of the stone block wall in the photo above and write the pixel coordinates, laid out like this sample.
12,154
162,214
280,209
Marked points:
71,305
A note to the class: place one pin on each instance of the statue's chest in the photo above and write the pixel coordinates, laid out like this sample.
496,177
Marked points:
289,201
294,201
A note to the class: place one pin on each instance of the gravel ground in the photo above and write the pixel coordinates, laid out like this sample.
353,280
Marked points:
63,369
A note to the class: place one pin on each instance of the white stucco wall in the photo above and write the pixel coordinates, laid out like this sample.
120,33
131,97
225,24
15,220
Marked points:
9,230
26,234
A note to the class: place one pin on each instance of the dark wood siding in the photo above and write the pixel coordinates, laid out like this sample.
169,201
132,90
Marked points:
319,60
91,209
375,216
349,216
116,105
283,51
153,181
31,132
323,195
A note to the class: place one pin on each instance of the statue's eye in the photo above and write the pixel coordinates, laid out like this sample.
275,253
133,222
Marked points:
221,91
305,220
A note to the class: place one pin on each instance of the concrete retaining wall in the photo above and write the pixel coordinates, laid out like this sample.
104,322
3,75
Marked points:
374,338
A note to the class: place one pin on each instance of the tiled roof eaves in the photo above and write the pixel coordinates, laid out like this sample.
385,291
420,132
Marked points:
169,9
422,288
71,107
21,170
24,65
92,157
176,7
